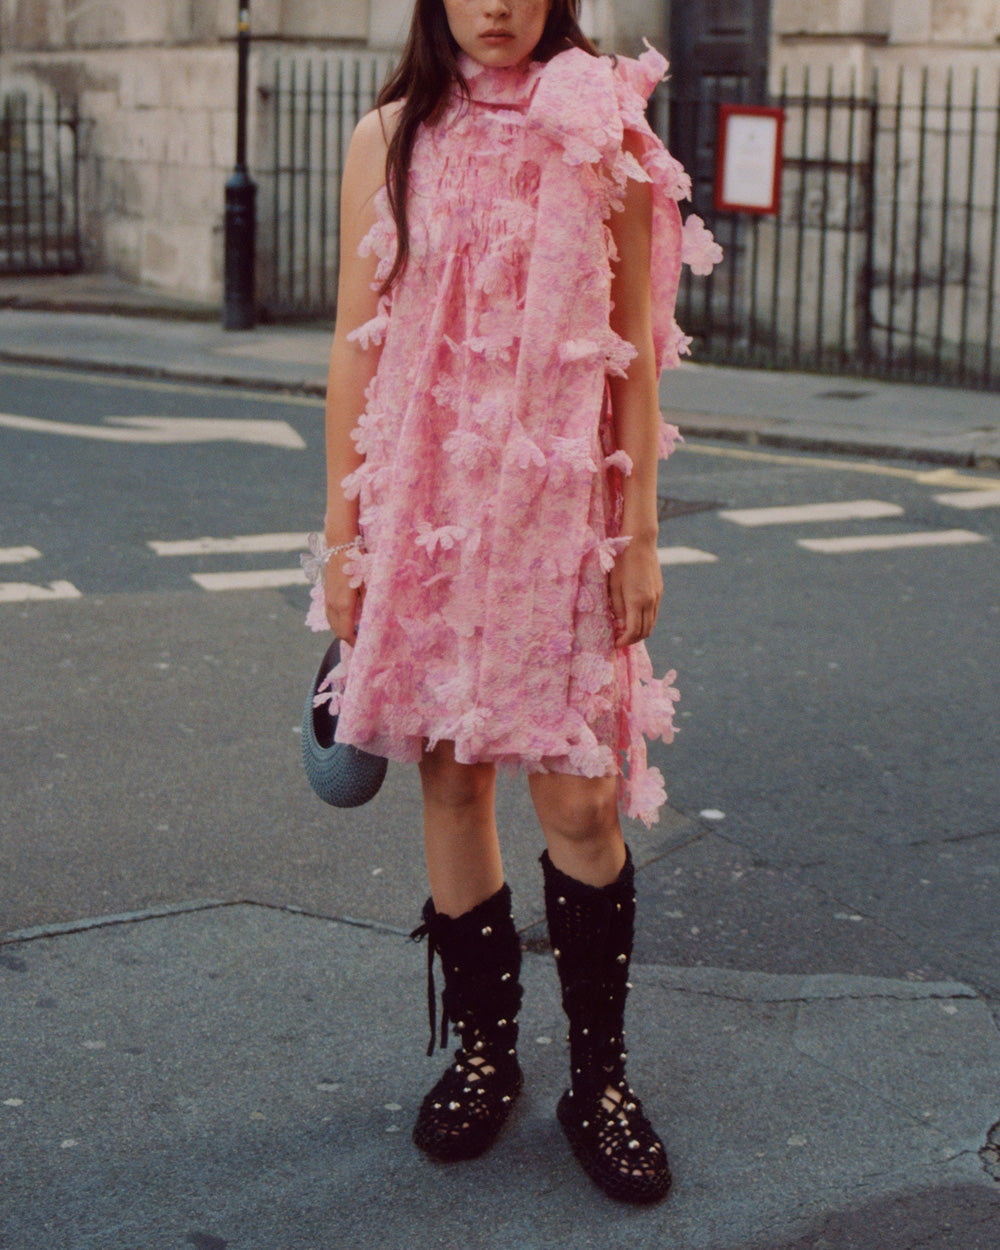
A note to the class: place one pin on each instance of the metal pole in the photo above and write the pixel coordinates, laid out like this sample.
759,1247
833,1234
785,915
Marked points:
241,193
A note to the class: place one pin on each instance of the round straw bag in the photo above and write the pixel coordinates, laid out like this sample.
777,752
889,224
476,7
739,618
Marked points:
341,774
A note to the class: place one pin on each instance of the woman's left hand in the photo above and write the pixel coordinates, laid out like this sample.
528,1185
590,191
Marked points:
635,586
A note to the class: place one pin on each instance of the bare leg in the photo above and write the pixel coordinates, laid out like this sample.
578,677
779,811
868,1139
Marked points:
579,817
460,831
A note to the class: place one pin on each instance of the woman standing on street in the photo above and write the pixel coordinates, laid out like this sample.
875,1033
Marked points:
511,247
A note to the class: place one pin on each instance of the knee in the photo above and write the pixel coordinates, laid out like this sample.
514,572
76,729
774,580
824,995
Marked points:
581,810
447,783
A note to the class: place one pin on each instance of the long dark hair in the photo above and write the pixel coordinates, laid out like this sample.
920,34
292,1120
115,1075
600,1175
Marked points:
423,80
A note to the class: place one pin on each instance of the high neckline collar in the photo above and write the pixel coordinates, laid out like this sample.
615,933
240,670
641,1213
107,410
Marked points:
511,85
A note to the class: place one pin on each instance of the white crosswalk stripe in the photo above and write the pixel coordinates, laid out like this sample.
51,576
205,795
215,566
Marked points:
684,555
890,542
969,499
242,544
257,579
669,556
844,510
22,592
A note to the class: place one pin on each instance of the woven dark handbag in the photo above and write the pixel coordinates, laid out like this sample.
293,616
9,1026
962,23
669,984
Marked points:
340,774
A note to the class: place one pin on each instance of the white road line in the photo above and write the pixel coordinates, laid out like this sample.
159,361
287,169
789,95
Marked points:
684,555
888,542
847,510
21,592
165,430
18,555
264,579
242,543
971,499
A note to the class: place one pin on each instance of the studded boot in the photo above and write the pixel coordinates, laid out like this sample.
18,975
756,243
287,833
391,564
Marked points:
481,958
591,930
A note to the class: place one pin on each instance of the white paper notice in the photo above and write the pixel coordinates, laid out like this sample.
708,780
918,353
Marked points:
751,155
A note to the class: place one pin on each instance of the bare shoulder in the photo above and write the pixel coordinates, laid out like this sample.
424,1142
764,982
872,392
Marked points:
364,169
373,134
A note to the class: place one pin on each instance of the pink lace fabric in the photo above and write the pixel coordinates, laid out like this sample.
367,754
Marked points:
490,493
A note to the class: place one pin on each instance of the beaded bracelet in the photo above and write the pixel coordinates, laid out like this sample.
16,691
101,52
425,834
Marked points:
314,565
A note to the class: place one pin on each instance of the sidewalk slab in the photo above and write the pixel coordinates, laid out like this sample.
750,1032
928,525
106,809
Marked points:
830,413
99,293
247,1077
290,359
854,416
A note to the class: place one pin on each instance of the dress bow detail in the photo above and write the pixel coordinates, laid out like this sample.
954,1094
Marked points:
575,105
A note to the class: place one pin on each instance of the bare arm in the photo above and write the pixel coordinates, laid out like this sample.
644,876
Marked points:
351,366
636,581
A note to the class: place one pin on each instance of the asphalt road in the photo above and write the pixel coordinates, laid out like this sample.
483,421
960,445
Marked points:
832,792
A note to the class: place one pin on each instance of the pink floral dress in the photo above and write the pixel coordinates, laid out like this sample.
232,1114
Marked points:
490,492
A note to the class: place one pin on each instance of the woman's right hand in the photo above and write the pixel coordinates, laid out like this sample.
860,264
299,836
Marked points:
342,600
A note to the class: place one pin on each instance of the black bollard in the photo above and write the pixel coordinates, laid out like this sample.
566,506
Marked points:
241,201
241,229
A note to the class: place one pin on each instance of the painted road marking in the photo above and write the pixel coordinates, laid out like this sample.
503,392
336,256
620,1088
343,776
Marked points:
21,592
847,510
684,555
18,555
241,544
923,477
264,579
166,430
971,499
889,542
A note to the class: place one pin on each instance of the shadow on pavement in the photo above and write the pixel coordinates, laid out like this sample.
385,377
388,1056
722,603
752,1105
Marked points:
956,1217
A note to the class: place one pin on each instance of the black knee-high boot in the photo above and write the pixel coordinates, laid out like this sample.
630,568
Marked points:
481,958
591,930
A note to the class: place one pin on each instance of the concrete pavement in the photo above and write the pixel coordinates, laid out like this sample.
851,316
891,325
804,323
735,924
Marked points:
236,1073
242,1076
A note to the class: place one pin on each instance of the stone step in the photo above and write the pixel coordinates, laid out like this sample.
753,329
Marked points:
65,262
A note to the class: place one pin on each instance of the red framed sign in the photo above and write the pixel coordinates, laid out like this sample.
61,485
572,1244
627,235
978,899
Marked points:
748,174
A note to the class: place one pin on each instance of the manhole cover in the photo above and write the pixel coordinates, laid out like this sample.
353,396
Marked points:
667,508
843,394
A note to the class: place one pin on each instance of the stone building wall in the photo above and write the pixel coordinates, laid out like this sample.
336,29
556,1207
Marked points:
155,81
870,34
155,85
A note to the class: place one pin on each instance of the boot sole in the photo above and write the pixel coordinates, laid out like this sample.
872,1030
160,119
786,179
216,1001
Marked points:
630,1189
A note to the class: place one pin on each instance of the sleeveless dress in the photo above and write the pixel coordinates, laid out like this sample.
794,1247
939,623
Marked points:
490,492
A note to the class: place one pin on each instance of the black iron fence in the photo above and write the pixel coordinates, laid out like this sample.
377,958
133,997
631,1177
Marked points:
39,185
884,259
312,105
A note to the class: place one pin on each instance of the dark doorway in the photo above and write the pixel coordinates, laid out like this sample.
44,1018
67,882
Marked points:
718,52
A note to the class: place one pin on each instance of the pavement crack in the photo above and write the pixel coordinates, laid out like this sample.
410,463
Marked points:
989,1155
813,999
697,836
62,928
978,836
167,911
869,1092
